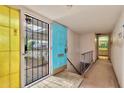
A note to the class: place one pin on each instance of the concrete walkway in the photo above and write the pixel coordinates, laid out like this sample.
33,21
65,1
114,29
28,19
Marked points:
101,75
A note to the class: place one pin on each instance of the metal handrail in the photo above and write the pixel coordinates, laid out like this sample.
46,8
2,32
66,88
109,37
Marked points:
86,52
87,59
83,65
87,55
74,66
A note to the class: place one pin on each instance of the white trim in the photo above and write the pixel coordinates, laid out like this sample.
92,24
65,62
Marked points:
50,50
22,20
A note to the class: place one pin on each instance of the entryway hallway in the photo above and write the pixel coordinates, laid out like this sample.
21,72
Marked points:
61,46
101,75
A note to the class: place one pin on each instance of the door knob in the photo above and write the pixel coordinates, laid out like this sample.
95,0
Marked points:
66,50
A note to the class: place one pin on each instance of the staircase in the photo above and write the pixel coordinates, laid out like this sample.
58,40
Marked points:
85,64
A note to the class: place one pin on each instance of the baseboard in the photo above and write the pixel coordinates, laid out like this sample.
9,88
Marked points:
58,70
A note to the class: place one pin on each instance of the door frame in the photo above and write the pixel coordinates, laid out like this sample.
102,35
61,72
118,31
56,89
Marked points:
109,43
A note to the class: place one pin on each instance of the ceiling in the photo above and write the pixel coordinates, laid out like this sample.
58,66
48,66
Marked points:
83,18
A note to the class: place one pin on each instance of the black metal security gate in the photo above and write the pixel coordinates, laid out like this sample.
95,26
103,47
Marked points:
36,49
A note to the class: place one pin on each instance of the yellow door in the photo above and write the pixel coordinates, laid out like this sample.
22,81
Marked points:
4,47
9,47
14,71
4,70
14,48
14,25
4,16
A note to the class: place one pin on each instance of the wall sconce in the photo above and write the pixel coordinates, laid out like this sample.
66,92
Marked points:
28,20
123,32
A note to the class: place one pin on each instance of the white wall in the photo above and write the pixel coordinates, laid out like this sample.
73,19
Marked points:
117,50
73,50
78,44
87,43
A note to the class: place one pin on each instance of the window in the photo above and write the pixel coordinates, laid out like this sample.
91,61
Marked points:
36,49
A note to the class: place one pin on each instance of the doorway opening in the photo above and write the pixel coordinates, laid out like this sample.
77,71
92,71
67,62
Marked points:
102,46
36,49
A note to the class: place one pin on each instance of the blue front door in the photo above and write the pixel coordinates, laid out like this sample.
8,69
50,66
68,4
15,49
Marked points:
59,45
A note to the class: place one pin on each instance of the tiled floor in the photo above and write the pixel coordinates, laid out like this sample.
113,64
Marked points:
101,75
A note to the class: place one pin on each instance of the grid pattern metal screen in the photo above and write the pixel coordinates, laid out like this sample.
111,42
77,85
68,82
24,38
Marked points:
36,49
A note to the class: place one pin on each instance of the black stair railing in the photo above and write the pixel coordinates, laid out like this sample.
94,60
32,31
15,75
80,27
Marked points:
73,66
86,61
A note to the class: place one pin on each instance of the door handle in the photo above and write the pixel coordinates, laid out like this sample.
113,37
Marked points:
66,50
23,53
60,55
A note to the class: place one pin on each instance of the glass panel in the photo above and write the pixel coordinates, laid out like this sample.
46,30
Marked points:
29,76
35,43
103,46
45,70
40,73
35,76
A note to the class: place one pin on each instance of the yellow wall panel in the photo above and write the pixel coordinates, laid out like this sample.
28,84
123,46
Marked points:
4,38
15,40
4,63
9,48
4,81
14,29
14,14
14,62
14,43
14,80
4,16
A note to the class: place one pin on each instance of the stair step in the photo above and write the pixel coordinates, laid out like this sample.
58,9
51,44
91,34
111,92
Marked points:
63,79
71,77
